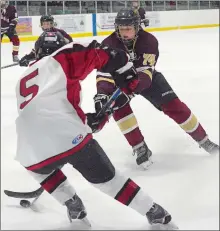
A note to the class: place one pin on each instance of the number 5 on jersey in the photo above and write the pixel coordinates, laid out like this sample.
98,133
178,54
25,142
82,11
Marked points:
31,90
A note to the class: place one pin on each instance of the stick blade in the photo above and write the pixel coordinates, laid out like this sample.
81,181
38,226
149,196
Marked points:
26,195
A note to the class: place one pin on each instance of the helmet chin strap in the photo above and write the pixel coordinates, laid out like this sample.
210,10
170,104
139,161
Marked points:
130,48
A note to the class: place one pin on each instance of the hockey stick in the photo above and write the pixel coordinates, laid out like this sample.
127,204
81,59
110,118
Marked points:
26,195
10,65
110,102
39,191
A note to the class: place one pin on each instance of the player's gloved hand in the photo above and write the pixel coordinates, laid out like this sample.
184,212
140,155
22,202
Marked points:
24,62
96,123
146,22
101,99
126,78
11,29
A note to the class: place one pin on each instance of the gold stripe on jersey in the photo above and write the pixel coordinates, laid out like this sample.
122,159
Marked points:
191,124
149,73
127,124
15,48
98,79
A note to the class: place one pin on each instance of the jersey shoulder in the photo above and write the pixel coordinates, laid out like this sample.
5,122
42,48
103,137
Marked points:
111,39
147,39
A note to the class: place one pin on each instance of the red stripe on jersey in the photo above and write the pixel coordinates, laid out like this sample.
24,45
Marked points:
127,192
61,155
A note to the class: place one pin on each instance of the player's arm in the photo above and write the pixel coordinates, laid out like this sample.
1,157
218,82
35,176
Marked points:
25,60
86,58
13,19
66,36
144,20
146,69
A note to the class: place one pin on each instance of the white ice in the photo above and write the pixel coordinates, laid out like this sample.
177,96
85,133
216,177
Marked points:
184,179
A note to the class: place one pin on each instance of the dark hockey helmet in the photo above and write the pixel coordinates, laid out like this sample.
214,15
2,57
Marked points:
127,17
48,43
47,18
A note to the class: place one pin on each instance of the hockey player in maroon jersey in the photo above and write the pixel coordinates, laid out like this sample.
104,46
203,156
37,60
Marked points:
52,129
9,20
47,24
136,6
143,49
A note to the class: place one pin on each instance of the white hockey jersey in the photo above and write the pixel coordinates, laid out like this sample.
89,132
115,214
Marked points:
51,125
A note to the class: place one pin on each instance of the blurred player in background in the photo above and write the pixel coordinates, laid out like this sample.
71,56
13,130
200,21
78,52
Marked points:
143,50
136,7
47,24
9,20
52,129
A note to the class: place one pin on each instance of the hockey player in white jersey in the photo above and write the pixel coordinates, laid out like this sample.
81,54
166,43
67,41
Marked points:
52,128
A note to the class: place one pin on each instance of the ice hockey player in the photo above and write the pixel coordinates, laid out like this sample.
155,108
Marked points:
47,24
9,20
52,128
136,7
143,49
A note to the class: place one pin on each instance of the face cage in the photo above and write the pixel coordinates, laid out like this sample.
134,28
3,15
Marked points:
127,42
48,29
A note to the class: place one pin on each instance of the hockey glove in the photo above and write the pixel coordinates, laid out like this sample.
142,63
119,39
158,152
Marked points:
146,22
126,78
24,62
96,123
11,29
101,99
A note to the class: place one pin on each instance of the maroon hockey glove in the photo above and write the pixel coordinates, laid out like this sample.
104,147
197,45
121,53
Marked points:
96,123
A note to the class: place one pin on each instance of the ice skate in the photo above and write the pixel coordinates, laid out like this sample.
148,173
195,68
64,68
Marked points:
160,219
209,146
15,58
144,155
76,210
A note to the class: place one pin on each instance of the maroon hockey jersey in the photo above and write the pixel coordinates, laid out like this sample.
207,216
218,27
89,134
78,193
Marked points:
144,56
9,18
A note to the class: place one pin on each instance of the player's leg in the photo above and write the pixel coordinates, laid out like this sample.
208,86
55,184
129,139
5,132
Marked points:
95,166
128,125
53,180
164,98
16,43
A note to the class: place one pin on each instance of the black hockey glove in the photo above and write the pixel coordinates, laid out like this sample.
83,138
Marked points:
24,62
146,22
96,123
11,29
126,78
101,99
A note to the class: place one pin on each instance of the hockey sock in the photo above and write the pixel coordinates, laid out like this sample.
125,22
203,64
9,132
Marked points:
15,41
183,116
56,184
128,125
127,192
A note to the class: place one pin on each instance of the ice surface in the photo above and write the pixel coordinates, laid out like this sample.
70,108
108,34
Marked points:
184,179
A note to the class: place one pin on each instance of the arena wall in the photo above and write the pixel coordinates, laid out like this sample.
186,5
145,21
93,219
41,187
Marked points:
84,25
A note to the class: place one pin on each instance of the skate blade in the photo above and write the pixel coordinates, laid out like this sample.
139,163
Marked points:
145,165
86,221
169,226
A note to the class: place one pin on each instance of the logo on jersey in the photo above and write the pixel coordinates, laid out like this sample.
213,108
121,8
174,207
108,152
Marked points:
77,139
